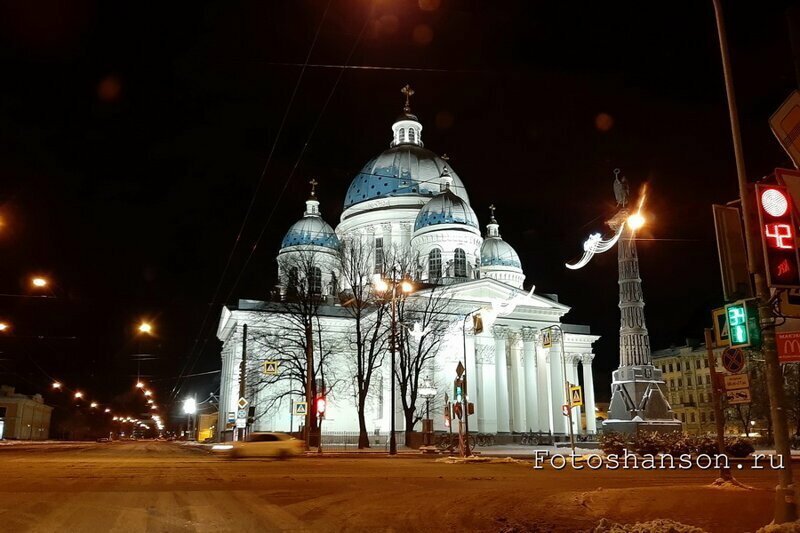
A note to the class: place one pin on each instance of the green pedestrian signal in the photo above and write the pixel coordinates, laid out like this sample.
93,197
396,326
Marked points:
743,329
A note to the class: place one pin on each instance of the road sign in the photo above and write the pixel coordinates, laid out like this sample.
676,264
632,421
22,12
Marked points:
300,408
785,124
720,321
788,343
736,381
547,339
575,396
241,423
459,369
271,368
241,413
565,410
242,403
458,410
231,417
733,360
737,396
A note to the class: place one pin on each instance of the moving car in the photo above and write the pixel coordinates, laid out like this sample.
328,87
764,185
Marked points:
261,444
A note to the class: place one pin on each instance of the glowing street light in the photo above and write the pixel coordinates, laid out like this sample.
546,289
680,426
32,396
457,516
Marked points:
4,326
145,327
189,406
56,385
78,394
39,282
636,221
148,393
93,405
153,407
150,401
107,410
139,385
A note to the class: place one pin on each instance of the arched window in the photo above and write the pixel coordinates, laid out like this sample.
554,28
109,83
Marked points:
460,270
435,265
292,282
315,280
401,137
411,135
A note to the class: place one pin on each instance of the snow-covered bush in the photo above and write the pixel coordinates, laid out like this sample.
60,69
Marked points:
648,443
706,445
738,447
676,444
613,443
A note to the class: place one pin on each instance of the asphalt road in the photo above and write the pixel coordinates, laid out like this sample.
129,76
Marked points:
155,486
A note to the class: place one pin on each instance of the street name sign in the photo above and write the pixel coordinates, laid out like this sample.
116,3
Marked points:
271,368
737,396
300,408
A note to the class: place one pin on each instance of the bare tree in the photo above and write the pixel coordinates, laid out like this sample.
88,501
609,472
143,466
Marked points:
369,311
424,322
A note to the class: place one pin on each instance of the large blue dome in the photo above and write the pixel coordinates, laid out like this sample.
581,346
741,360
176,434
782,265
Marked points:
311,231
403,170
446,208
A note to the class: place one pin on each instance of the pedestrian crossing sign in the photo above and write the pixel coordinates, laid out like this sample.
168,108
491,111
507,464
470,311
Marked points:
271,368
300,408
575,396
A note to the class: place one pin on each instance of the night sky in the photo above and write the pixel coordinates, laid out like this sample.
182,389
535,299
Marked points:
133,137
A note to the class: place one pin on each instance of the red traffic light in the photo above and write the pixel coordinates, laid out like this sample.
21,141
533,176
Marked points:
778,236
321,405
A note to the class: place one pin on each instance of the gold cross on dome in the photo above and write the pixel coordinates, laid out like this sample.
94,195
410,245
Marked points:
313,184
409,92
492,208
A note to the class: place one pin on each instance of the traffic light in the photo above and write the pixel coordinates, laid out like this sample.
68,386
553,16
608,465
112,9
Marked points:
743,328
447,415
321,405
458,390
778,236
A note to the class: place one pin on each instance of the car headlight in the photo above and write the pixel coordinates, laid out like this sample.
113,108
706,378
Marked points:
222,447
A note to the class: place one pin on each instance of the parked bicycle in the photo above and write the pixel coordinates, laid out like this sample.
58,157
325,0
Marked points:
484,439
449,442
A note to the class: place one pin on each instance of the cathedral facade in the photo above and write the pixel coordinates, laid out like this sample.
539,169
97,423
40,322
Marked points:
408,266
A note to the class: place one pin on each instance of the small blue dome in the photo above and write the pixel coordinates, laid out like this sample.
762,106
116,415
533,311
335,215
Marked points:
497,252
445,208
311,231
403,170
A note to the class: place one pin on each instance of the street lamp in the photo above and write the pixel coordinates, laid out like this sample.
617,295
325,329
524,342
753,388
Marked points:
107,410
148,393
39,282
139,385
190,408
4,326
145,327
427,391
78,395
382,286
56,385
93,405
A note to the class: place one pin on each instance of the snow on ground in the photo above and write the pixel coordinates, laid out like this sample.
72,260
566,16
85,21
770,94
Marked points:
788,527
654,526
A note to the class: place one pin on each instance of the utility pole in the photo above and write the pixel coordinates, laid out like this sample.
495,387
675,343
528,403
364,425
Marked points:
716,399
785,500
243,374
392,437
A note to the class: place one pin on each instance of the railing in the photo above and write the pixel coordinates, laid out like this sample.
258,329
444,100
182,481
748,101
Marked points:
348,440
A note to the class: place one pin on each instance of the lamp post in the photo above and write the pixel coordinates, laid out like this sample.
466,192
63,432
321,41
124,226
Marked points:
427,391
382,286
190,408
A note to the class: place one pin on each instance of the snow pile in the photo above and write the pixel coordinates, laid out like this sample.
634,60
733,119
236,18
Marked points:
730,484
461,460
661,525
788,527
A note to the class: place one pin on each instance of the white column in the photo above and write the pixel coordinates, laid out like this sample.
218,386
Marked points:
222,417
487,399
531,387
588,393
560,422
542,389
517,400
501,377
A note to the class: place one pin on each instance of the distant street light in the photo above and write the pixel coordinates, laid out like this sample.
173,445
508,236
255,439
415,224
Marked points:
93,405
56,385
107,410
78,394
148,393
153,407
3,326
145,327
39,282
139,385
636,221
149,401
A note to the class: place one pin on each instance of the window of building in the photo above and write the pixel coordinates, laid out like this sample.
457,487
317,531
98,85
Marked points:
315,280
411,135
460,263
670,367
691,398
703,417
689,380
680,382
705,363
711,416
698,364
683,417
292,282
379,255
435,265
402,135
691,415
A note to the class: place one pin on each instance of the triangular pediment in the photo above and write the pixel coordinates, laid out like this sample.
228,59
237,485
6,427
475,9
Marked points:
495,292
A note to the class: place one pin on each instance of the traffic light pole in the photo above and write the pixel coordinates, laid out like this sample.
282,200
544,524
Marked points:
785,500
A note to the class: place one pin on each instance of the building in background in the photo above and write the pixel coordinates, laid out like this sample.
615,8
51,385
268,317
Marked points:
23,417
206,426
688,380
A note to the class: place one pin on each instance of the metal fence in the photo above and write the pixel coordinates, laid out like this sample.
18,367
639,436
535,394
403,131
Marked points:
348,440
